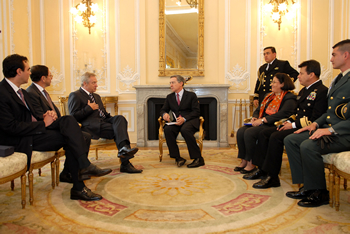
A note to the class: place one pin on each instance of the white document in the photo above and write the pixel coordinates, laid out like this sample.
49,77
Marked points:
172,123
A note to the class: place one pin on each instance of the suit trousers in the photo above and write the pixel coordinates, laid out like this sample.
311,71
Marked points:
248,138
187,131
274,151
115,128
66,133
306,161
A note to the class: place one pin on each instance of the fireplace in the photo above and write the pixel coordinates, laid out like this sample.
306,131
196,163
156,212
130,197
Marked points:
208,110
213,104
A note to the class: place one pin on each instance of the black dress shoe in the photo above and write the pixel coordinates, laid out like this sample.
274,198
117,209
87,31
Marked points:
86,195
180,161
244,171
268,182
301,194
129,168
127,152
316,198
238,168
258,174
196,163
92,170
65,177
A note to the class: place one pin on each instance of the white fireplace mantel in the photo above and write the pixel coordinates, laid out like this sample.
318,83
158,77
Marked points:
217,91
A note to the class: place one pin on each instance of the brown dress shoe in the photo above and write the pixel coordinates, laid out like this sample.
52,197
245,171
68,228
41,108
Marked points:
85,195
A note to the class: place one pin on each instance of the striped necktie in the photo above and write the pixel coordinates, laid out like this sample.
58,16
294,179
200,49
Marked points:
24,102
102,115
48,98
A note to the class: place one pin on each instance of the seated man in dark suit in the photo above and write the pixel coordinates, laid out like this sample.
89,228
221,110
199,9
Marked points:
22,128
41,101
87,108
185,106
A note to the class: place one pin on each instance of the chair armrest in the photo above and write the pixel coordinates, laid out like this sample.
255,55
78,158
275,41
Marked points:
247,120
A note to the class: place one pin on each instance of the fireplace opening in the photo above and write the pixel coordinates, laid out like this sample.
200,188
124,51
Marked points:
208,110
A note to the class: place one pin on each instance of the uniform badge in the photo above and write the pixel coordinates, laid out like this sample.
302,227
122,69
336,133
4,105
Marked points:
312,96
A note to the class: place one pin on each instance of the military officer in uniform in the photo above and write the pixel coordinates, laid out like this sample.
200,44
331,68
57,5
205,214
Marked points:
267,72
305,146
311,104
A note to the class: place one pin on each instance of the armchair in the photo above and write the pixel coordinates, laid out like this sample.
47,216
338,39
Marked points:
198,135
102,142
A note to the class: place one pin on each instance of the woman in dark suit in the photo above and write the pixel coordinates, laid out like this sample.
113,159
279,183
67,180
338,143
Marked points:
278,104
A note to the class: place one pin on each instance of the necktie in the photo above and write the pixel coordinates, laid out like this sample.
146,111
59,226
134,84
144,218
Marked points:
99,110
338,78
48,98
24,102
178,99
267,67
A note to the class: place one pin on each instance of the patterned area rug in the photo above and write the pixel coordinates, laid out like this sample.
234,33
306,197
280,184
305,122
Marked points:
168,199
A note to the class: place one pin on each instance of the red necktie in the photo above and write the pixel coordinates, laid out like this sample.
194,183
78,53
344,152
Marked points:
178,99
24,102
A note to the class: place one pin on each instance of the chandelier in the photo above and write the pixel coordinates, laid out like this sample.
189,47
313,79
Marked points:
192,3
279,8
84,12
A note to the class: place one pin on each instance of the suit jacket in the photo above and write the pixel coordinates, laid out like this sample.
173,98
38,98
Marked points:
338,94
90,119
264,81
312,103
16,126
287,108
188,108
39,102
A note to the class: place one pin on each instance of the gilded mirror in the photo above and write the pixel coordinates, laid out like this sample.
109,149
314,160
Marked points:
181,38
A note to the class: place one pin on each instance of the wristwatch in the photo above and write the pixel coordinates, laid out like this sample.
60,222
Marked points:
331,130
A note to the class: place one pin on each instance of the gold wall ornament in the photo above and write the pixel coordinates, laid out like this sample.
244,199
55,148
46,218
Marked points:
192,3
163,71
279,8
84,12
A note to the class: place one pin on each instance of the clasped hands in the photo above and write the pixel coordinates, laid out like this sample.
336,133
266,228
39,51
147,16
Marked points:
256,122
49,117
179,120
322,135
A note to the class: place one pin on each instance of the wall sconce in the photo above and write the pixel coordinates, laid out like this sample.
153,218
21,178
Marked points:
279,8
84,12
192,3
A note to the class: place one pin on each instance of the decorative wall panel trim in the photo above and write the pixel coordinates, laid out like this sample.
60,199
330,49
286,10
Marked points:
30,34
126,102
125,111
237,75
12,30
127,75
104,72
309,30
60,77
3,41
42,32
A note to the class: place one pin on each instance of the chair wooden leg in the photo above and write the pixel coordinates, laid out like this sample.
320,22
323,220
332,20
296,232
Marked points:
337,188
345,184
30,179
331,186
57,163
23,190
12,185
160,151
53,175
39,171
96,152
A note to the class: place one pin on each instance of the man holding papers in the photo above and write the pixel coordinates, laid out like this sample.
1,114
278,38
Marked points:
184,106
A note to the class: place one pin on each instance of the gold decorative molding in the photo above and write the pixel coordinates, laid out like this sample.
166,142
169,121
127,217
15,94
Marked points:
162,60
